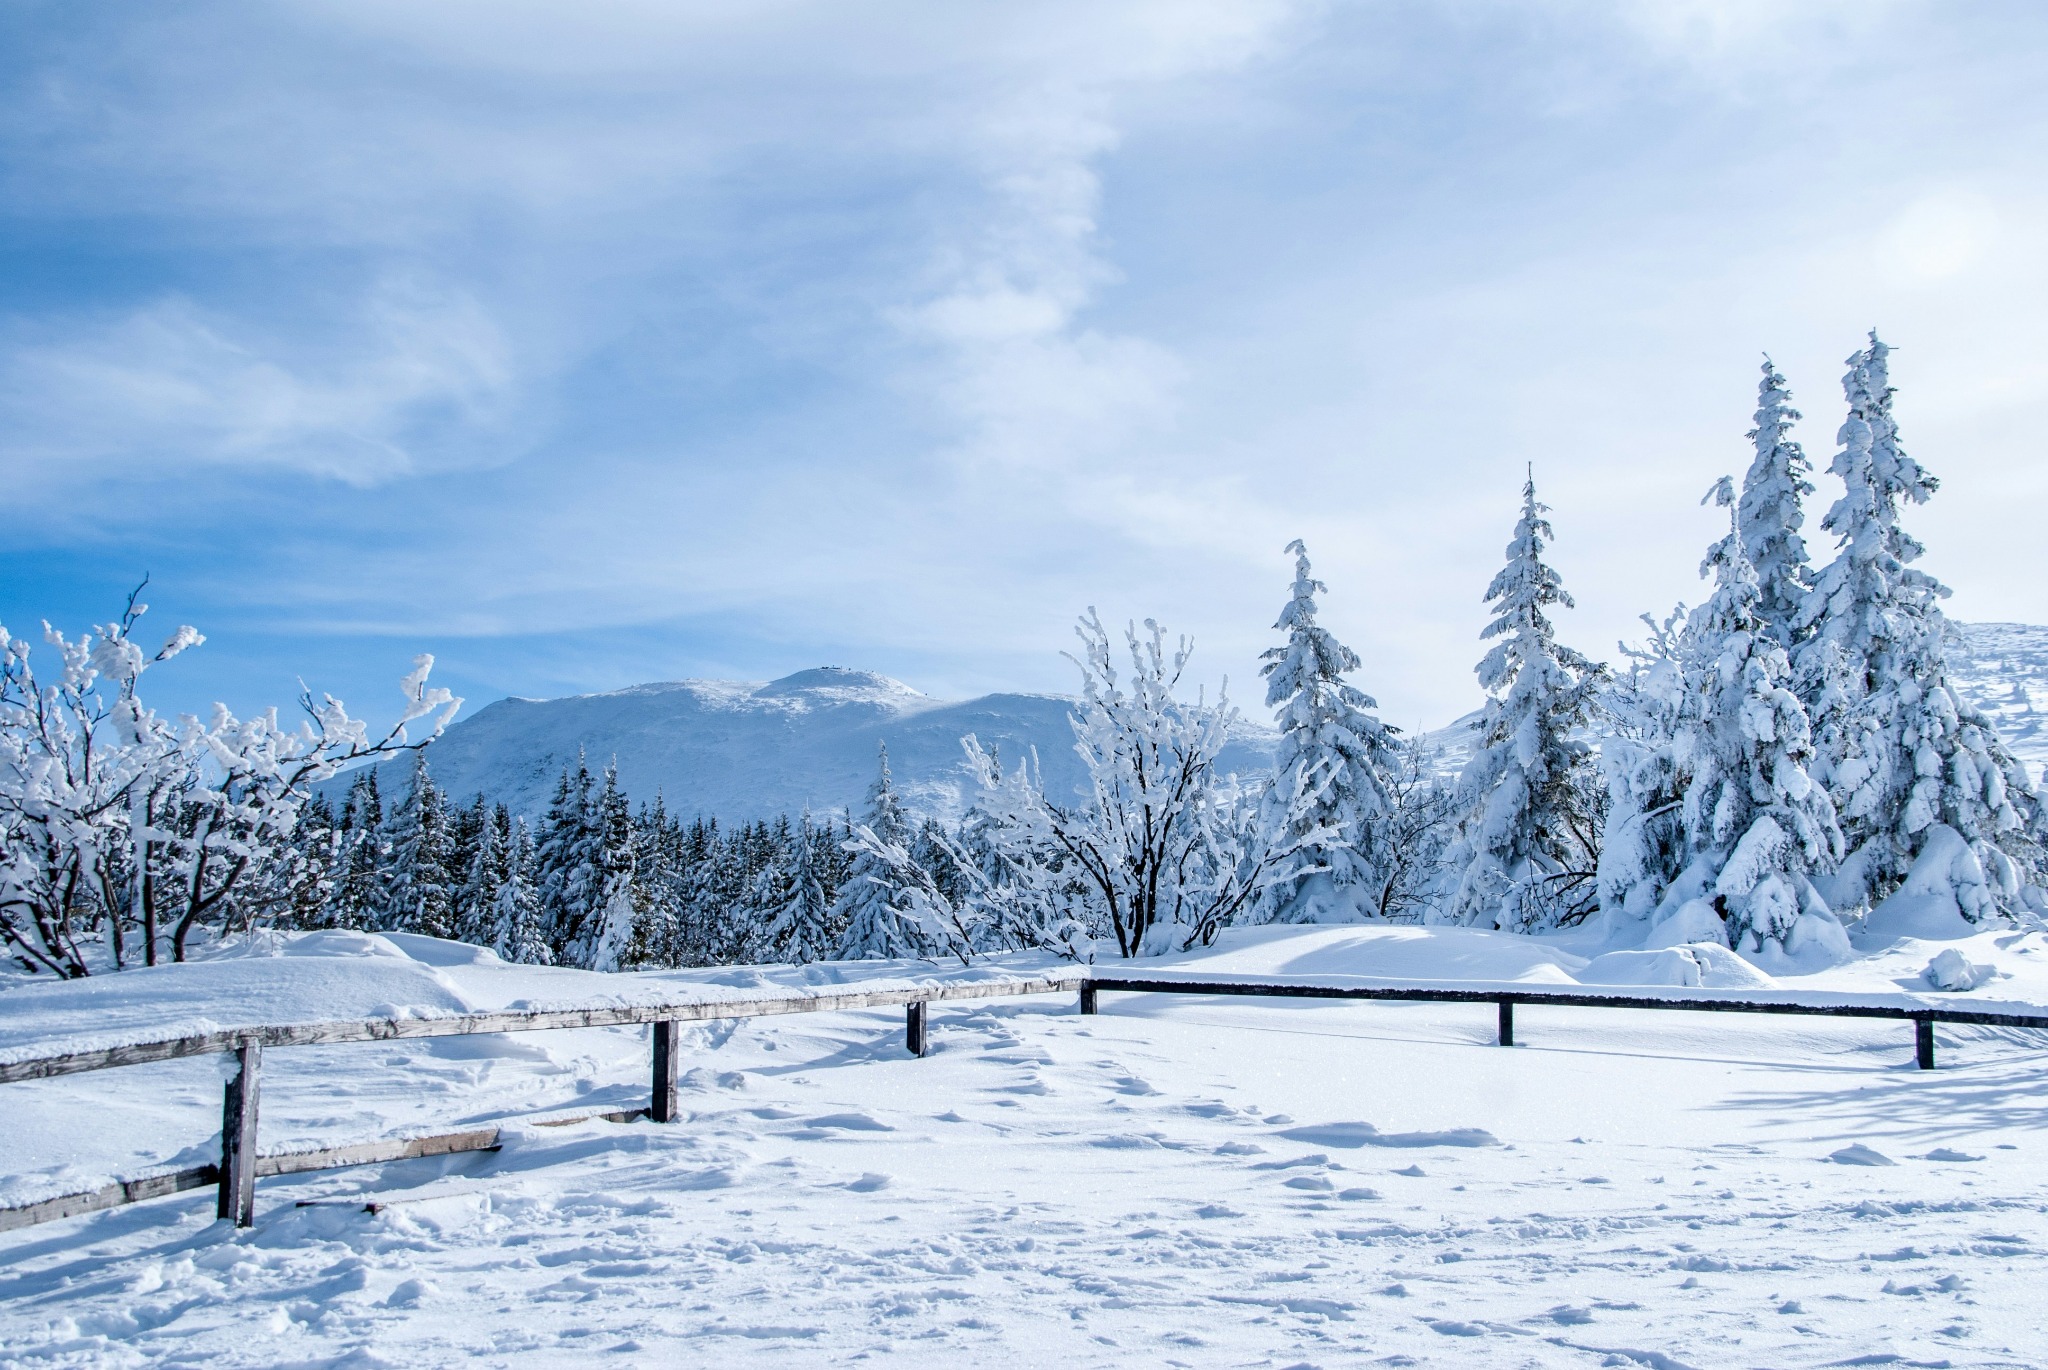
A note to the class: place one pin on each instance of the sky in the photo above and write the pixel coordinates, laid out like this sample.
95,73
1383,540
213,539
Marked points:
585,345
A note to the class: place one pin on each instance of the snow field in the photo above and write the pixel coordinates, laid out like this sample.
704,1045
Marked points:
1175,1181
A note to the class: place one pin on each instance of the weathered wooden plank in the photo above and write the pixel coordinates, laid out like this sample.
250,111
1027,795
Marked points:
914,1027
108,1196
1507,1022
1923,1042
238,1158
285,1163
373,1153
668,1036
526,1020
1088,996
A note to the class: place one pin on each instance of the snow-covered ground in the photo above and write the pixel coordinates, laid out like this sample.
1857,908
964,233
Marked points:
1174,1181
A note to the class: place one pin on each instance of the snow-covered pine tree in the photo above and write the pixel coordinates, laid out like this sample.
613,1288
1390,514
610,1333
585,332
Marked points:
361,895
1929,796
489,868
422,878
519,922
1333,745
566,871
1769,516
659,871
1719,812
880,876
802,928
605,935
1529,835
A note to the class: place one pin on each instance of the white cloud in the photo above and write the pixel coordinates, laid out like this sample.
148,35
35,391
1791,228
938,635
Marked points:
170,387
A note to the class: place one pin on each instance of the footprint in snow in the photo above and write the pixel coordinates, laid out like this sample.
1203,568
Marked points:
868,1184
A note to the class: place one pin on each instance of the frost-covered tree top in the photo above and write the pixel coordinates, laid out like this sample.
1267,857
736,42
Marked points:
1861,600
1769,515
1329,736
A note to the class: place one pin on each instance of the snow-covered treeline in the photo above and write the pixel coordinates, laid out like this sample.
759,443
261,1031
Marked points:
1761,771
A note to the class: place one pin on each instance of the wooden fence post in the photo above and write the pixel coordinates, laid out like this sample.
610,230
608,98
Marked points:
238,1136
1923,1042
668,1036
1088,996
1507,1022
913,1027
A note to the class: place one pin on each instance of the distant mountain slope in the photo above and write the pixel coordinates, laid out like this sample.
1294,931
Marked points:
2003,669
743,750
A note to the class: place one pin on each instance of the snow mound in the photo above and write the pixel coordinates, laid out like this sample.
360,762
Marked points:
1707,965
1859,1154
1365,1134
1398,952
1951,970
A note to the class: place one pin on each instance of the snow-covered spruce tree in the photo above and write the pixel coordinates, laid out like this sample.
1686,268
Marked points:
519,922
605,935
422,878
1164,849
801,929
1529,835
1714,818
489,869
1769,516
1331,742
360,891
566,867
1929,797
884,905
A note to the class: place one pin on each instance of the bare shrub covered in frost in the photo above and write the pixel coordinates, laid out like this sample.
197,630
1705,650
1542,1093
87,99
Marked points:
116,823
1162,851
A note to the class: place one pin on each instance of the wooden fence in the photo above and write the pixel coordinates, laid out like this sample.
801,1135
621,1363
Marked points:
241,1164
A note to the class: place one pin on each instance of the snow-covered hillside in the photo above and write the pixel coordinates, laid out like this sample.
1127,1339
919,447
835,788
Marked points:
746,750
2003,669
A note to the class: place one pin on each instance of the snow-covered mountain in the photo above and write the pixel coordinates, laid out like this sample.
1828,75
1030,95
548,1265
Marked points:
746,750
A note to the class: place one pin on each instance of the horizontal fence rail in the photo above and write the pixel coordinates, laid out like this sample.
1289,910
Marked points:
242,1164
1798,1003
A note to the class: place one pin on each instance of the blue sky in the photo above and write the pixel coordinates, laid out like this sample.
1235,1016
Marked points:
583,345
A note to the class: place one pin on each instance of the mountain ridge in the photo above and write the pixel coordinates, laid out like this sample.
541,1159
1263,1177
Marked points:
742,750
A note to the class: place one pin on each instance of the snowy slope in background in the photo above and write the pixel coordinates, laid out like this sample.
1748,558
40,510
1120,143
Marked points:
743,750
2002,668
